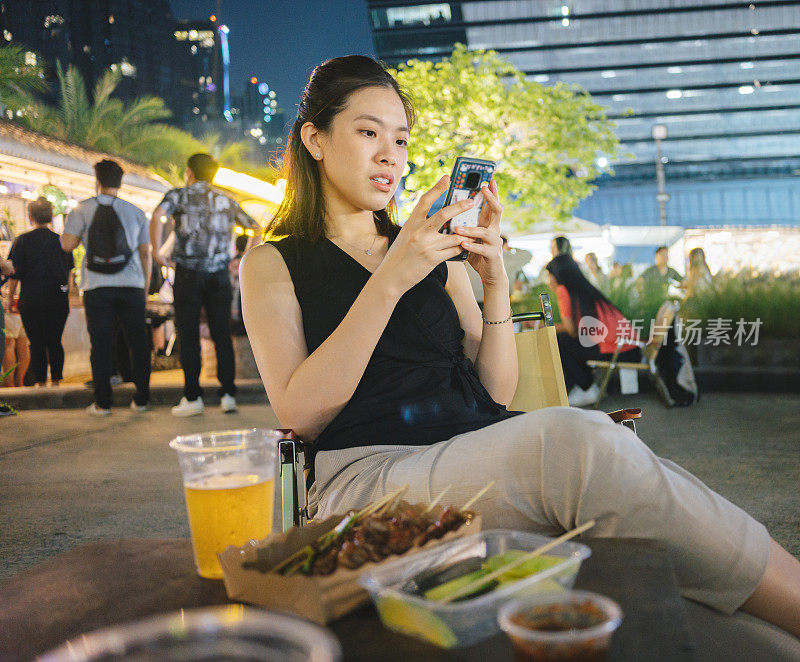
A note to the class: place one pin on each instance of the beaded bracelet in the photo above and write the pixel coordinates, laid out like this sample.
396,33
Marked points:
507,319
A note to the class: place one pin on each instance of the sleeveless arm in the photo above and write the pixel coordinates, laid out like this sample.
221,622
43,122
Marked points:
306,392
490,347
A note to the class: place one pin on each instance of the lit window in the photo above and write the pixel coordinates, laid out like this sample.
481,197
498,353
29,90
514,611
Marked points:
111,19
181,35
674,94
193,35
425,14
7,35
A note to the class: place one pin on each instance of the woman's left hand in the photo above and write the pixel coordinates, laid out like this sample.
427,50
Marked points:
483,242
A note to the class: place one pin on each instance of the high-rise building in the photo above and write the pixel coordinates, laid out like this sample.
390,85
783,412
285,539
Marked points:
134,35
721,76
202,65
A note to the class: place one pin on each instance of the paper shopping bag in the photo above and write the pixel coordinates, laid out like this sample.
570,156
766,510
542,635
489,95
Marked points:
541,378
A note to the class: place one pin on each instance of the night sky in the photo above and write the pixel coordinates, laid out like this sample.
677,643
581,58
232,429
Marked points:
281,41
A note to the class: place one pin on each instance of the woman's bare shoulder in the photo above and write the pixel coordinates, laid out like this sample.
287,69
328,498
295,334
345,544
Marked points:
264,263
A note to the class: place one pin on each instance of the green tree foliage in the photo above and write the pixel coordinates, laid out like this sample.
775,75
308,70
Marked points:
16,77
134,130
546,140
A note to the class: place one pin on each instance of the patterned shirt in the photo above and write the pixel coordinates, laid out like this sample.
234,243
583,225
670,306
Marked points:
204,220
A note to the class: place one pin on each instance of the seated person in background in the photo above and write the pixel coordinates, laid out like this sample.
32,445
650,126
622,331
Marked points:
658,277
698,275
371,346
578,299
594,274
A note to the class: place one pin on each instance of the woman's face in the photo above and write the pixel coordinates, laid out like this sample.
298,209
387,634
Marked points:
365,151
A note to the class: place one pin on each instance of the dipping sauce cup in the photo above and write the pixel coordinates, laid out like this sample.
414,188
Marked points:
229,483
556,627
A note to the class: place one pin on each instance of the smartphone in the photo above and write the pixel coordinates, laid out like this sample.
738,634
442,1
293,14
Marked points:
465,182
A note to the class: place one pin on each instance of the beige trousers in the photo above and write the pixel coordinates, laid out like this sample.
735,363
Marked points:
555,469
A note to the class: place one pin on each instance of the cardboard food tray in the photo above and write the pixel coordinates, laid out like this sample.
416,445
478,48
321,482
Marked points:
319,598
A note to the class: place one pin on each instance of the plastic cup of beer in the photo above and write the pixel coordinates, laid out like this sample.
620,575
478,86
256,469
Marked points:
229,483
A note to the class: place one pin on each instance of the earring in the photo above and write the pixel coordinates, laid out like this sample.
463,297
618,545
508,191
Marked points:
318,156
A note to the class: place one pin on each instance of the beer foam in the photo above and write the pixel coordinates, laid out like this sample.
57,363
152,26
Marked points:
225,481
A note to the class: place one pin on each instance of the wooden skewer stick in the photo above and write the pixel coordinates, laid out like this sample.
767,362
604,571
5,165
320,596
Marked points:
436,500
477,496
389,506
469,588
380,503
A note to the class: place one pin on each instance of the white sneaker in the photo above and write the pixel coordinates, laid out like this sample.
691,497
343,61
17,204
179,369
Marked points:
188,407
227,403
577,397
94,410
139,408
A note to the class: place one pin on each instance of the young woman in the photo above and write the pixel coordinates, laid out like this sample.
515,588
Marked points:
578,298
698,274
371,345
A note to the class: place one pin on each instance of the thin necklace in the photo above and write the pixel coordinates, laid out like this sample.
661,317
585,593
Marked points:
368,251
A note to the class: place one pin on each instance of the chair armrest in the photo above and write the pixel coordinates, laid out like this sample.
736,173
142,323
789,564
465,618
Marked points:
621,415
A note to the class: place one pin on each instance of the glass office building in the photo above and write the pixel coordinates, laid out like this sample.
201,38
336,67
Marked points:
722,76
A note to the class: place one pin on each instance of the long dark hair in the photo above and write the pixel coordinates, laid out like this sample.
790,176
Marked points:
585,297
302,212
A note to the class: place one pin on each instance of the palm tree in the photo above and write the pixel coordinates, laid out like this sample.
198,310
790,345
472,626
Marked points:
18,78
105,123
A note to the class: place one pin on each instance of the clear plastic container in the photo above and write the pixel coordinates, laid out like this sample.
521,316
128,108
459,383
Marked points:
394,586
574,626
233,633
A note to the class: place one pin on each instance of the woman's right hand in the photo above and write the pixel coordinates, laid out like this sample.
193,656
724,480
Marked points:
419,247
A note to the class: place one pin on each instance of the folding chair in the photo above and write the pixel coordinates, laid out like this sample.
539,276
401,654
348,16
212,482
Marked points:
537,388
661,325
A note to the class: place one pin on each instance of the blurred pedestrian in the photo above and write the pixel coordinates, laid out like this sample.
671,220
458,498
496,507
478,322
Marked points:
237,323
42,272
204,221
17,356
114,283
698,274
560,245
657,278
589,328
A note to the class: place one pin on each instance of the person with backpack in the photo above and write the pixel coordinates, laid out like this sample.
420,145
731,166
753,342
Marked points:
204,222
114,282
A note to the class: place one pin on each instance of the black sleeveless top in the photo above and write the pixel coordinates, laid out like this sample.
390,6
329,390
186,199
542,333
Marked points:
418,387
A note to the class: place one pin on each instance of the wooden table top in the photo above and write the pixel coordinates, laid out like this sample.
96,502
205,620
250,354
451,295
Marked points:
114,581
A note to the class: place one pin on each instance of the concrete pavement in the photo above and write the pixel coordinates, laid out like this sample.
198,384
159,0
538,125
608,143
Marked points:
66,478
